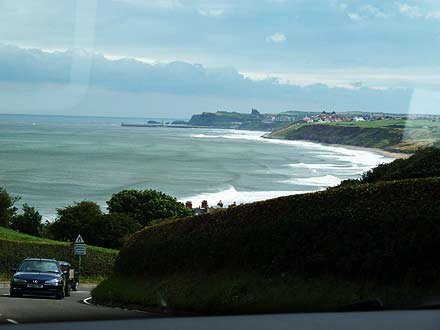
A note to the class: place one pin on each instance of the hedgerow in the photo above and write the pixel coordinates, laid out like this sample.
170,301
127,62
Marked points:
386,232
97,262
424,163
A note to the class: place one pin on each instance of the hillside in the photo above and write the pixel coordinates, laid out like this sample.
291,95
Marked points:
391,135
423,164
234,120
314,251
14,247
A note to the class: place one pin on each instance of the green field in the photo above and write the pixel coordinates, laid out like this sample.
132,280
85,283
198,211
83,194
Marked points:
11,235
391,135
388,123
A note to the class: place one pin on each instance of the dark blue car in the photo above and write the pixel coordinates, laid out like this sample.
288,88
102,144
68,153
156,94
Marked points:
39,277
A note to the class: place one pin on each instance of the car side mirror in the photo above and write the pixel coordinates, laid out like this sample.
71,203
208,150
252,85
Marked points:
13,269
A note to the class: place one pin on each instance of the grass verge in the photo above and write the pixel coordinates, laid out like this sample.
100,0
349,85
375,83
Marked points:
245,293
14,247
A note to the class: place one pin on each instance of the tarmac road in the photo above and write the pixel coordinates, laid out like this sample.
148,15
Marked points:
47,309
37,312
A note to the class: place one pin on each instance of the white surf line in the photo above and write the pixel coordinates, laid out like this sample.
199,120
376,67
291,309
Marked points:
12,321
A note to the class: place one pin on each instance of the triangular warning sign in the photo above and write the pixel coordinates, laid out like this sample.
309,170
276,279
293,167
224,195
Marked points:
79,240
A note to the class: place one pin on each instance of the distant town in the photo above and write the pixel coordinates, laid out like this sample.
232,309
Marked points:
255,120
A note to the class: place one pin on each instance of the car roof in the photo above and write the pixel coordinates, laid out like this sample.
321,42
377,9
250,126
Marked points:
40,259
63,262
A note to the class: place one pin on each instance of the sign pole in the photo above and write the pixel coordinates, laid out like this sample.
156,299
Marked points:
79,249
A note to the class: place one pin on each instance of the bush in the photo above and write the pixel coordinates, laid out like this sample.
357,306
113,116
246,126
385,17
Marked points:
147,205
386,232
423,164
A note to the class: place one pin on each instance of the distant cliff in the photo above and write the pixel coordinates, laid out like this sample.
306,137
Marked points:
235,120
373,137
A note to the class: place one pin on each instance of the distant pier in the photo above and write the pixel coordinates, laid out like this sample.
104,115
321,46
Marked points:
163,125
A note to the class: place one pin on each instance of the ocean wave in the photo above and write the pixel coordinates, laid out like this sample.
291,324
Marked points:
339,153
231,195
317,181
339,168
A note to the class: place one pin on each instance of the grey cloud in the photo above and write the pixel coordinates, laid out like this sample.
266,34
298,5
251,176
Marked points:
184,79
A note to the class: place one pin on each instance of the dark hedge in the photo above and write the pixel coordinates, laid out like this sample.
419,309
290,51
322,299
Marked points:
386,232
424,163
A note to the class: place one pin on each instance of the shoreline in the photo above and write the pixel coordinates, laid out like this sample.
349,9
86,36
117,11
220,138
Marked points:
385,153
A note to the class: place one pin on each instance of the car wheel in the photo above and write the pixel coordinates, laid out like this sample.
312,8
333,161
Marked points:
75,286
14,294
60,295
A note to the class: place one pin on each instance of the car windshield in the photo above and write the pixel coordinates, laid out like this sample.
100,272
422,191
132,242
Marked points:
39,266
220,157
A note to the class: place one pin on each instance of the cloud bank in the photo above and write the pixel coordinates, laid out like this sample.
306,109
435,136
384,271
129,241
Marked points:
225,87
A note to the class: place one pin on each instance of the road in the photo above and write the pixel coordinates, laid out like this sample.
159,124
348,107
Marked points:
42,309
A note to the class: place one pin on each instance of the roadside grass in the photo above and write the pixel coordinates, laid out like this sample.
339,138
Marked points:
12,235
227,293
14,247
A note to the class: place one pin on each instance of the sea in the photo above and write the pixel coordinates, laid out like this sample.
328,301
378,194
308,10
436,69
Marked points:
54,161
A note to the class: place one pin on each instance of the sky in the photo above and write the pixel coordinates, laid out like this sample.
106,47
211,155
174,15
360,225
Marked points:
173,58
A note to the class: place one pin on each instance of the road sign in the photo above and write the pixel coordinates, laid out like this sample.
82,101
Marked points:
79,246
79,240
79,249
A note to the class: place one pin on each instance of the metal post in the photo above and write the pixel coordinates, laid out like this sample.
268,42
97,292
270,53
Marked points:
79,265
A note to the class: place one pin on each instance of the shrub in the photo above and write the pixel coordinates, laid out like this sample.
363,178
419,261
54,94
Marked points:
387,232
423,164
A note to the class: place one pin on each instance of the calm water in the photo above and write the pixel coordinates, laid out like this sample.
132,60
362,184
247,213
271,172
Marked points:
53,161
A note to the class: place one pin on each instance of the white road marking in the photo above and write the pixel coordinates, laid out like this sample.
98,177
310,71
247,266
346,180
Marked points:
86,301
12,321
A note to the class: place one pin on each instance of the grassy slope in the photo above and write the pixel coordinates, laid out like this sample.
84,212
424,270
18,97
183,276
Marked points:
423,164
15,246
392,135
248,292
12,235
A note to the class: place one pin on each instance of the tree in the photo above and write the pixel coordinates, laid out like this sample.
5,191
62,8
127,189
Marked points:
7,207
147,205
87,219
113,229
29,222
74,219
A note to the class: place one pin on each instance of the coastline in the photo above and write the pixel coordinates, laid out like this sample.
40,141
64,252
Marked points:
385,153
